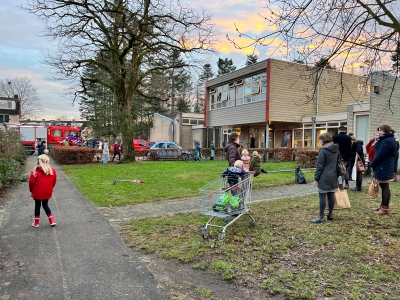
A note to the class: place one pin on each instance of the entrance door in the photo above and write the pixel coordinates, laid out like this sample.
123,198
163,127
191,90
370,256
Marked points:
362,128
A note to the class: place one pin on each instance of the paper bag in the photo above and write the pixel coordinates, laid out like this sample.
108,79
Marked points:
342,200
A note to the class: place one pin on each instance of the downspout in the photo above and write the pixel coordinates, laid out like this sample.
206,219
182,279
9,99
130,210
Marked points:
173,131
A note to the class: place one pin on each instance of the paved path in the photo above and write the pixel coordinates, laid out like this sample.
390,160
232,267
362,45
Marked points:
80,258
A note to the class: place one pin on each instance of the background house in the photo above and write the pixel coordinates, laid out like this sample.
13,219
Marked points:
183,128
10,109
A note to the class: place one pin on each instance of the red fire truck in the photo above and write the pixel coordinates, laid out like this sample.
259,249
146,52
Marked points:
54,135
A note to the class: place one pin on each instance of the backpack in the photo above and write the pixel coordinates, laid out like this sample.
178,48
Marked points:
300,178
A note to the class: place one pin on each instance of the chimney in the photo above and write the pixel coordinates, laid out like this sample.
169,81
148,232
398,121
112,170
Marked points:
15,97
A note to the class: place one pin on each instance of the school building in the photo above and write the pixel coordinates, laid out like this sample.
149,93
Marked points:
274,97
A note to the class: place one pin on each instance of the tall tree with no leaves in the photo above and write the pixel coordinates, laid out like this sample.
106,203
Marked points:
134,37
22,86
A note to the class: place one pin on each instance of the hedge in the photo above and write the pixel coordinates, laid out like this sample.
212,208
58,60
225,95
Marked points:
9,171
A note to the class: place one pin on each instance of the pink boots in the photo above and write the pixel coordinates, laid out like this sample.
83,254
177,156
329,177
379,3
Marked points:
51,220
36,221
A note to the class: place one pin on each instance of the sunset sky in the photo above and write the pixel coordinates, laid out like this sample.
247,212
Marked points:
21,49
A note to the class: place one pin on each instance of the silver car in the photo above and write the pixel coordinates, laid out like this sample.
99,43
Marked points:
167,150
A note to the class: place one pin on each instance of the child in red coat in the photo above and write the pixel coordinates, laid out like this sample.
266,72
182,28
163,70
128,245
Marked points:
42,180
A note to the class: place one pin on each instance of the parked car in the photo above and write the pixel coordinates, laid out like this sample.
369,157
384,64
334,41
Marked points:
168,150
140,144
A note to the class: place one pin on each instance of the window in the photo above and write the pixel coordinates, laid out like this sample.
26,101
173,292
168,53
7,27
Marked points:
193,122
201,122
57,132
66,132
242,91
185,121
4,119
6,104
172,146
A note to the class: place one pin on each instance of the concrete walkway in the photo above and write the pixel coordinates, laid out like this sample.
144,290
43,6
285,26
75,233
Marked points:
80,258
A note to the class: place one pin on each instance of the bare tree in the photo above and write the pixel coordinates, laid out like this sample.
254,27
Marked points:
310,29
129,40
358,35
22,86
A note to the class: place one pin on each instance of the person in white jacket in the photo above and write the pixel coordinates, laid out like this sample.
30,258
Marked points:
106,152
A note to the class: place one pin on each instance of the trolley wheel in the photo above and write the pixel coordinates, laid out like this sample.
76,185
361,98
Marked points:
185,157
205,233
252,224
221,236
228,209
225,220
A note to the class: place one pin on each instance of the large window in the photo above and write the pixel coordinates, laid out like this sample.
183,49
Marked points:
6,104
241,91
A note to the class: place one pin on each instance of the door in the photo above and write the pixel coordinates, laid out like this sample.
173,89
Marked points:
362,128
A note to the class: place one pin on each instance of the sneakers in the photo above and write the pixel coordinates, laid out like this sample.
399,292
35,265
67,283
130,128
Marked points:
356,189
263,171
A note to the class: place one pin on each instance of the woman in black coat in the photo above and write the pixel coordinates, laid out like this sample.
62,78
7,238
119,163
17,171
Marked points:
382,164
231,149
357,148
326,175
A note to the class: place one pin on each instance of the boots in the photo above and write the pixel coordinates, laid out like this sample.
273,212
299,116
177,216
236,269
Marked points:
51,220
394,177
377,209
384,210
36,221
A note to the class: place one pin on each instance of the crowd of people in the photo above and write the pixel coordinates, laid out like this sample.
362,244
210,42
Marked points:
382,151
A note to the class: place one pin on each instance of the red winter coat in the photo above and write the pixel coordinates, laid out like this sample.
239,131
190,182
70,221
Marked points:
41,186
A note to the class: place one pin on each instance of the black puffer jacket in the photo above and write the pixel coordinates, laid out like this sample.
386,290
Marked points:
232,153
326,173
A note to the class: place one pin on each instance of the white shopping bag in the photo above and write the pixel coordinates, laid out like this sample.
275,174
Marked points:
354,171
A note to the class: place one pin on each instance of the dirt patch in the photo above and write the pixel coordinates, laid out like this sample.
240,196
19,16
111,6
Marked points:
181,281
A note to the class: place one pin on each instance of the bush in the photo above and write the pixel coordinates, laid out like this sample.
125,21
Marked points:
9,171
74,155
11,147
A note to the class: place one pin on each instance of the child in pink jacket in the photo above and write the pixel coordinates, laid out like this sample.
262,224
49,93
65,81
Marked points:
246,160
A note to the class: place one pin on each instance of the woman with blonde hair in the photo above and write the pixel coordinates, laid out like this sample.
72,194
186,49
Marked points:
42,180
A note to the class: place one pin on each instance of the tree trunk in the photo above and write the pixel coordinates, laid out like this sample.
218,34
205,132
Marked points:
127,133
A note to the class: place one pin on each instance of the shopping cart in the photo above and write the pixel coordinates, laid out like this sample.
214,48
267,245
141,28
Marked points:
226,197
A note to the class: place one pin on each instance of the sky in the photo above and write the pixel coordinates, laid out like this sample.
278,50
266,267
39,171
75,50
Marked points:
22,49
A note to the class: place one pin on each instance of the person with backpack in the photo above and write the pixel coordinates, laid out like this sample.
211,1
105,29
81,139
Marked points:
326,175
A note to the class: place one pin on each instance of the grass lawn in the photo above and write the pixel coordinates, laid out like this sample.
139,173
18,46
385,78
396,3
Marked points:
355,256
162,180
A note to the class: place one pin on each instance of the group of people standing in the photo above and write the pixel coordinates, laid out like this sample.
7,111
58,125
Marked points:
383,152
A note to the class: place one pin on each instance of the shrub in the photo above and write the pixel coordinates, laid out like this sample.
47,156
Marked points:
9,170
74,155
11,147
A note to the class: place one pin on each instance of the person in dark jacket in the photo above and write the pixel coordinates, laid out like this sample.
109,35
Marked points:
344,142
252,141
396,160
357,148
231,149
42,180
382,164
234,173
326,175
42,148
